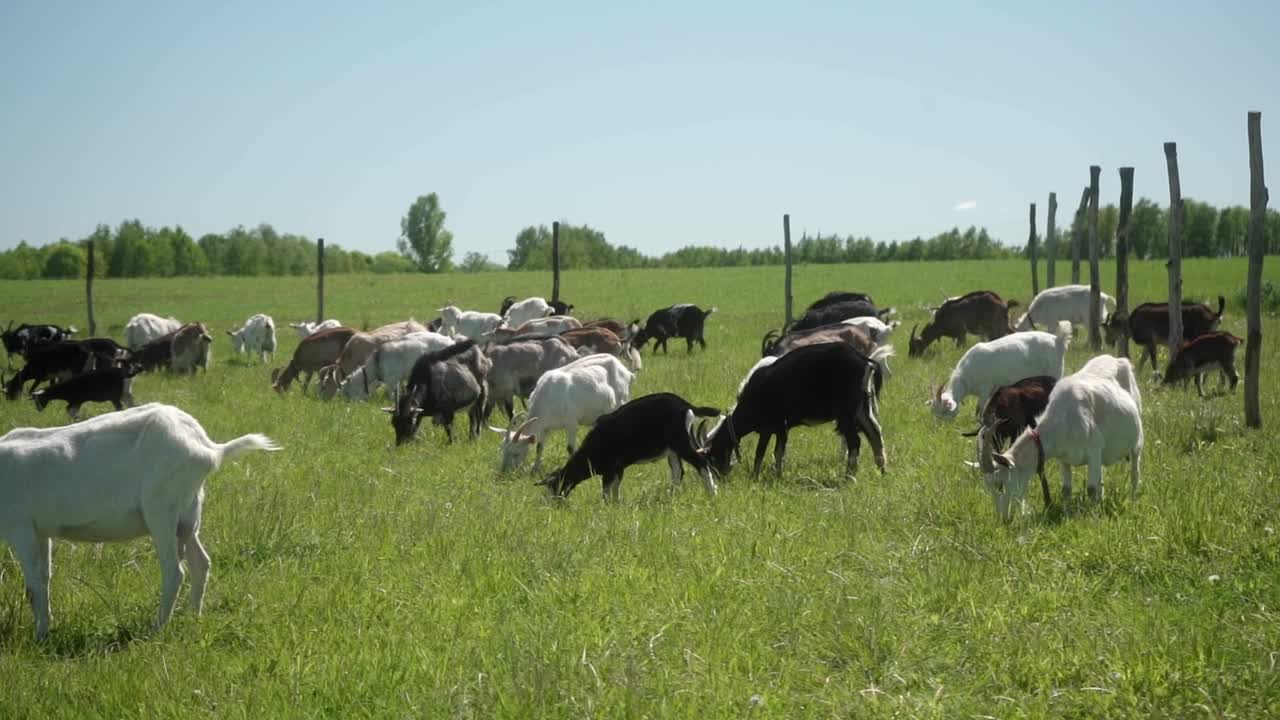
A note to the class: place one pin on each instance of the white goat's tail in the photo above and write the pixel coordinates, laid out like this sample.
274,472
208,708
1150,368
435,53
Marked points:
246,444
1063,332
880,356
1127,380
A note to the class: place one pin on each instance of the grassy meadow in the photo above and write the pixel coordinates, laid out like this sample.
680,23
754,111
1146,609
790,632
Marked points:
352,579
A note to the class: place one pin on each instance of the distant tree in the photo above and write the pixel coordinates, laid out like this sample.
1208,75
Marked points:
423,237
474,262
64,260
1200,223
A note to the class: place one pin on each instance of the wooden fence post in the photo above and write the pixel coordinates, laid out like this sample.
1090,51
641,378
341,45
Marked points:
1095,276
88,293
1257,219
1175,250
1051,242
1078,236
1031,249
1122,256
786,248
320,280
555,261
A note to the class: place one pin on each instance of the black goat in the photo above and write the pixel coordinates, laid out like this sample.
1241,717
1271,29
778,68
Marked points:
839,296
981,312
807,386
440,384
49,363
110,384
643,430
26,337
776,344
682,320
1148,326
1010,410
560,307
837,312
1203,353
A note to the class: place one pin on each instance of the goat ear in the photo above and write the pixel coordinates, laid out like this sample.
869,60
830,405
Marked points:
972,464
500,431
1002,459
389,410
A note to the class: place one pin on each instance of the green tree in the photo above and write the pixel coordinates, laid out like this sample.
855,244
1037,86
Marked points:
477,262
64,260
423,238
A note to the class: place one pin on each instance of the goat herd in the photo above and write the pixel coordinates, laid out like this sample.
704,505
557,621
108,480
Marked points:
141,470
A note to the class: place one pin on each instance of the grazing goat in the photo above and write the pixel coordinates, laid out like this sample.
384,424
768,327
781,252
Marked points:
110,384
981,312
553,325
1148,326
307,329
190,348
112,477
839,296
1010,410
358,350
519,312
1069,303
440,384
878,330
588,340
643,430
145,327
808,386
773,345
25,338
1201,354
313,353
988,365
566,397
1090,419
837,312
523,360
257,335
390,364
682,320
468,323
50,363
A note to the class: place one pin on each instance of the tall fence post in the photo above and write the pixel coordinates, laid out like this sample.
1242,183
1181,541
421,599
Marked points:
1051,242
1031,249
786,248
1175,250
1122,256
1078,235
88,293
1095,275
320,280
1257,219
555,261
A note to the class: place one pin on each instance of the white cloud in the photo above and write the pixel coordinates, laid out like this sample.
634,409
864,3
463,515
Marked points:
966,205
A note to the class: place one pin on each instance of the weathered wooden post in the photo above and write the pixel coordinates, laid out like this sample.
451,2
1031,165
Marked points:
1175,250
1095,276
1031,249
1051,243
1257,219
1078,236
786,249
1122,256
555,261
320,280
88,293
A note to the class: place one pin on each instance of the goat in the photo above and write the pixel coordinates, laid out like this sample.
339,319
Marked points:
112,477
1148,326
307,329
566,397
1090,419
50,363
313,353
981,312
560,307
988,365
391,363
190,348
1068,303
1010,410
145,327
878,330
643,430
440,384
1203,353
519,312
110,384
776,346
808,386
522,361
682,320
553,325
358,350
587,340
257,335
25,338
839,296
837,312
468,323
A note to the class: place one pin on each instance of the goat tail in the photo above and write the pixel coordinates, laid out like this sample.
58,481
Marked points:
246,444
1063,335
1222,305
704,411
880,356
41,400
706,314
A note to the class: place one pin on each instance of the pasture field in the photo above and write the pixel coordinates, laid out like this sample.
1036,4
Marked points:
352,579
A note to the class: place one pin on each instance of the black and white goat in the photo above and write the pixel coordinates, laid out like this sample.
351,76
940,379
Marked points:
1010,410
643,430
440,384
837,312
807,386
26,337
50,363
109,384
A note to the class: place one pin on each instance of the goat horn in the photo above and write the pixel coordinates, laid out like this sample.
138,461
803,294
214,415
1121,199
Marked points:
523,425
913,331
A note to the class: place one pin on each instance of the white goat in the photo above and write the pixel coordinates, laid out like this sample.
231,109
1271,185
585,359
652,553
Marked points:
257,335
468,323
569,396
878,330
112,477
1091,419
988,365
526,310
307,329
1065,302
390,364
145,327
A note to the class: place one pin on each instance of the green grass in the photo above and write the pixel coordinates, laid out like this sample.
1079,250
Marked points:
353,579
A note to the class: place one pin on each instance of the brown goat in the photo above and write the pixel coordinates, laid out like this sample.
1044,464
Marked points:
1203,353
358,350
777,346
1010,410
981,312
314,352
1148,326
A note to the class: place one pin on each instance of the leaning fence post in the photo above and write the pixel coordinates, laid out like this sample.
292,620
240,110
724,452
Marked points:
555,261
320,280
1051,243
1031,249
1122,256
786,248
1095,276
1175,250
1257,219
88,293
1078,235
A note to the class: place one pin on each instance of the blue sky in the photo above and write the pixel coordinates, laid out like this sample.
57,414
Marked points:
663,123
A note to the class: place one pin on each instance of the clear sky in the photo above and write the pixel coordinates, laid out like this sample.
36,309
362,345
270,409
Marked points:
660,123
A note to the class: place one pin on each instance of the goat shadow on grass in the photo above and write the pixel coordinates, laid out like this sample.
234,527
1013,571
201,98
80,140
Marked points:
74,643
